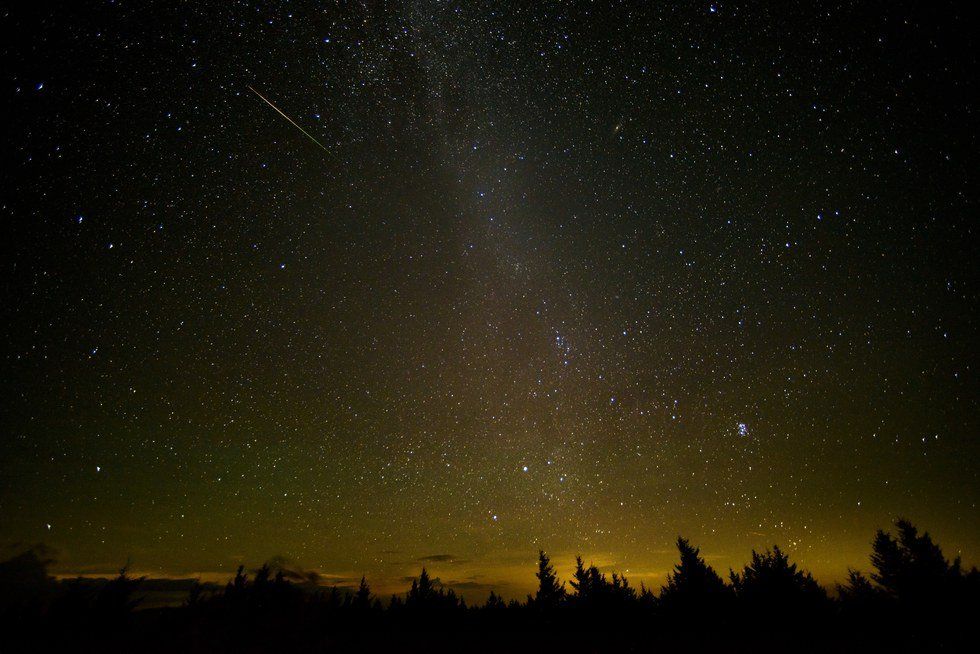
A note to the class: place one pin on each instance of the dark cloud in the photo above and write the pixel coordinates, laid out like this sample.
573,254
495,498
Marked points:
468,585
148,584
292,571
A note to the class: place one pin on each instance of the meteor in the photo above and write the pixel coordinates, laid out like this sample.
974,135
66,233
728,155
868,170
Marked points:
293,122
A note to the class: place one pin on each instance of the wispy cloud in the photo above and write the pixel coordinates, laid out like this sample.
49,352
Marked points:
441,558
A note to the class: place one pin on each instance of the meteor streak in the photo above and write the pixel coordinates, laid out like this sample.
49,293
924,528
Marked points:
293,122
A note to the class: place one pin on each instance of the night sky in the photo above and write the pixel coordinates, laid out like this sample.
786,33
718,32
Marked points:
576,276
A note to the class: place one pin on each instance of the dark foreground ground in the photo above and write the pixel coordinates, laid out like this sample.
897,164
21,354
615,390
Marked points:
180,630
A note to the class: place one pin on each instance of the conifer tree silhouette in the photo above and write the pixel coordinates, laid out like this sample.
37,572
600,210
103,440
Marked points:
693,584
421,592
580,579
115,601
550,591
621,593
362,598
237,585
771,583
858,588
859,599
494,602
912,567
593,590
646,598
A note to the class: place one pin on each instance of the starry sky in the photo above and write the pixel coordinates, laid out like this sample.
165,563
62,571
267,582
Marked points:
578,276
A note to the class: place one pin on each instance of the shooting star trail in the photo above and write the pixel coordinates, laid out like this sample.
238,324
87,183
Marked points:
293,122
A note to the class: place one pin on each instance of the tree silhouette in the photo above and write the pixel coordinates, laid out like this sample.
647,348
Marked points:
24,577
693,585
593,590
912,567
860,599
858,588
621,594
115,601
584,581
771,583
238,584
646,599
550,592
421,592
580,580
590,585
494,602
362,598
911,572
424,596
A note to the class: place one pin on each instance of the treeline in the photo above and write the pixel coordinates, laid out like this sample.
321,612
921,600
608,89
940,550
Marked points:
913,599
